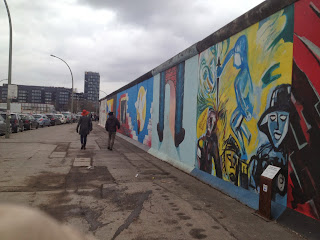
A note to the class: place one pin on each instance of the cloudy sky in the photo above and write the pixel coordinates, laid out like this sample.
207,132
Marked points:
120,39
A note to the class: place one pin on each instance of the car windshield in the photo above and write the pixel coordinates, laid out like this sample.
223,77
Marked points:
13,116
23,117
4,115
1,118
37,116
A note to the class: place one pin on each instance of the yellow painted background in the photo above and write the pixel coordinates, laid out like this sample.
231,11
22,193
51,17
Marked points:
260,58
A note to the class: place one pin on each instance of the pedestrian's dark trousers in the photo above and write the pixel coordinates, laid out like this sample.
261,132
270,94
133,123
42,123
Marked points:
112,136
83,139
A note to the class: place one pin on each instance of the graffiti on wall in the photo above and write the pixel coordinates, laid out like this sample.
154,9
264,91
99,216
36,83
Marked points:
134,112
244,103
174,77
109,106
174,114
304,165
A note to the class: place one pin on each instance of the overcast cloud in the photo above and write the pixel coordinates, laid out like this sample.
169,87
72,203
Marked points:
120,39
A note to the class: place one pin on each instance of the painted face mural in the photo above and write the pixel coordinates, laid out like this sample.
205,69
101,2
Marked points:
275,120
278,126
273,123
211,122
231,158
304,164
245,80
207,147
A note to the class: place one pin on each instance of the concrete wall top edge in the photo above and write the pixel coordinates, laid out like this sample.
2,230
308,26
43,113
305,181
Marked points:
258,13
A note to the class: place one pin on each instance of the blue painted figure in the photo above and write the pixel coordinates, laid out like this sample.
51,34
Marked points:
274,123
243,89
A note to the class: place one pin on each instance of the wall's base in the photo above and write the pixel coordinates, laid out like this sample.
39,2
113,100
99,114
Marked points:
246,197
302,224
167,159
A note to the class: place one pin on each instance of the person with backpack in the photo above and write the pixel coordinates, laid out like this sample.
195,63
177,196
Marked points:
111,126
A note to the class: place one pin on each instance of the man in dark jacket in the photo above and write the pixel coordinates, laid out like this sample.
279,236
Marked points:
85,125
111,126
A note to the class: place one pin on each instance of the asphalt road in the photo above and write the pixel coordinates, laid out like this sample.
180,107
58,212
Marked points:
126,194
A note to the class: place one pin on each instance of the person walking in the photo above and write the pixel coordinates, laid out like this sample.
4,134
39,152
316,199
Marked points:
111,126
85,125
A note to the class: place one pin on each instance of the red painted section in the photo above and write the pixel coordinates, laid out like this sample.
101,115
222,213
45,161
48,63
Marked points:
305,209
307,24
303,174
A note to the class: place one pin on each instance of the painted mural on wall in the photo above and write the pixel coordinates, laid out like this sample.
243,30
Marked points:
304,164
134,110
244,104
174,77
109,106
174,115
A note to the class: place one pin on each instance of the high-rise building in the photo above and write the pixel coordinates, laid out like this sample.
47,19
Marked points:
92,86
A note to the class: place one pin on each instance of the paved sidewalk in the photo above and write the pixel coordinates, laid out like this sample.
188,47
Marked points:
120,194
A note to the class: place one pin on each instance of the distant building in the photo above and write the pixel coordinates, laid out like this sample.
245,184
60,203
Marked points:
56,96
92,86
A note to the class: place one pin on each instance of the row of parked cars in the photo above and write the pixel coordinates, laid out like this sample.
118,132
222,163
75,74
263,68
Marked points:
20,122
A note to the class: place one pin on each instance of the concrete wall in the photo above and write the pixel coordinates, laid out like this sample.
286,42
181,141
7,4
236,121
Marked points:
134,110
243,103
174,113
245,97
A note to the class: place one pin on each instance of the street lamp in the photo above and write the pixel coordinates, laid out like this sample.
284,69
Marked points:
9,72
104,92
71,79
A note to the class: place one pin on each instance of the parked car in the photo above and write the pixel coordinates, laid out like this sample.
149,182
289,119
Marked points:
15,122
42,119
34,122
74,118
78,116
68,117
59,122
61,118
53,119
29,122
2,126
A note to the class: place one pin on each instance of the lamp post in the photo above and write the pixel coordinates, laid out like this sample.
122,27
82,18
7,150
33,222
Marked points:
71,79
104,92
9,72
